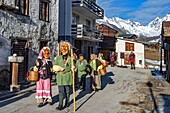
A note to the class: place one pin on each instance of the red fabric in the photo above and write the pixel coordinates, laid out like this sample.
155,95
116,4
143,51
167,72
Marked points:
27,74
132,57
132,61
112,58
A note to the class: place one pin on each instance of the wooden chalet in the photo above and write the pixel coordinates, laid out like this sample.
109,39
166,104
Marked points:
127,36
109,40
166,47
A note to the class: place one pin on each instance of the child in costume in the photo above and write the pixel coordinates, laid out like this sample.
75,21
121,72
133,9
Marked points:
81,65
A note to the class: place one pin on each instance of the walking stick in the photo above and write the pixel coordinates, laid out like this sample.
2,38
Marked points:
74,93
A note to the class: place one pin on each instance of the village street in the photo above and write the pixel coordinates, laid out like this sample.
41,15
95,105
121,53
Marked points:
124,91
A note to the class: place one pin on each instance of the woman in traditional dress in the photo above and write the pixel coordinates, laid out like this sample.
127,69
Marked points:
43,85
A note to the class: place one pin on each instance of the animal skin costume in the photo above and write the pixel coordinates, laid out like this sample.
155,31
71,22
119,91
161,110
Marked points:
95,75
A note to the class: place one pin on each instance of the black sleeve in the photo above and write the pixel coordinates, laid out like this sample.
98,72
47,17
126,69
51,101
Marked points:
50,64
40,63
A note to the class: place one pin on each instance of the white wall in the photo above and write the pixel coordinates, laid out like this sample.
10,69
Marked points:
138,50
83,18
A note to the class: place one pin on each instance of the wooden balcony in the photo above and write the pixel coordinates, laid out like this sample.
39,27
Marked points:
88,8
83,32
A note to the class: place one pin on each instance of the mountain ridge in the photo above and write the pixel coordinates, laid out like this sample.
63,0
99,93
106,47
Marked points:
151,30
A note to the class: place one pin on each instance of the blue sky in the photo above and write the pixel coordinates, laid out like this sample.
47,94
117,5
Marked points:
142,11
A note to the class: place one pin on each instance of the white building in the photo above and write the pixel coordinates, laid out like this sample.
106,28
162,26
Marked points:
85,36
124,48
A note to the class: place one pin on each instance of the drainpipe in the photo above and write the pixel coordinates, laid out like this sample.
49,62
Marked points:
161,54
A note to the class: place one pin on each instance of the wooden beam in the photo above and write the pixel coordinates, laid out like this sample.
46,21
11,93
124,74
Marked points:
27,7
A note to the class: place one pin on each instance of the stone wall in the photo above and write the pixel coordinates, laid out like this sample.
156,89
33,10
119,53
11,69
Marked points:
30,27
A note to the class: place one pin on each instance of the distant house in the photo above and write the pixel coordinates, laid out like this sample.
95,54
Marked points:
124,48
166,47
109,40
127,36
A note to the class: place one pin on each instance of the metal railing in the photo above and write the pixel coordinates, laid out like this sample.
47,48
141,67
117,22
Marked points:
92,6
81,30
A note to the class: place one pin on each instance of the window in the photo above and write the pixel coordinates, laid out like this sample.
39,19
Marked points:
23,6
129,46
88,25
75,19
44,10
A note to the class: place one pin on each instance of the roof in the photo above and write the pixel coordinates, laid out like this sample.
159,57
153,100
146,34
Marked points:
166,23
113,27
126,35
166,28
134,41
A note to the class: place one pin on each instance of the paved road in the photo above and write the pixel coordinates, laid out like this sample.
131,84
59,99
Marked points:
117,85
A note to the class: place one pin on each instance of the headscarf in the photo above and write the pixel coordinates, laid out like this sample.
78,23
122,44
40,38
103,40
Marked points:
40,56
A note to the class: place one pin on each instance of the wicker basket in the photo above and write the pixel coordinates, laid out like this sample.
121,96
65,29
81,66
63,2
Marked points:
105,64
33,76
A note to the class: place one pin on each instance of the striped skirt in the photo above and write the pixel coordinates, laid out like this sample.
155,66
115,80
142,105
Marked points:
43,88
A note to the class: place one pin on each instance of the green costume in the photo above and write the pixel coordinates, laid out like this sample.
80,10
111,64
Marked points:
100,58
64,79
94,64
81,67
81,71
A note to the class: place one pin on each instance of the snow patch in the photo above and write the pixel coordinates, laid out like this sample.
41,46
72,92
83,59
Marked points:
150,30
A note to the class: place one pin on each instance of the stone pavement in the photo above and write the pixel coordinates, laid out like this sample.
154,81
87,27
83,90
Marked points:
119,85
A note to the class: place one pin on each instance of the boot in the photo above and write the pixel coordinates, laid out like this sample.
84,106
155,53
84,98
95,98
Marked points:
67,100
49,100
61,98
40,102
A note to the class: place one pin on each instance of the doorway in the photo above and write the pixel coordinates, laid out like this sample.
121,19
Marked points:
19,48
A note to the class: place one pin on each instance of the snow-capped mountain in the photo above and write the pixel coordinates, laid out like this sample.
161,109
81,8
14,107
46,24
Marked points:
150,30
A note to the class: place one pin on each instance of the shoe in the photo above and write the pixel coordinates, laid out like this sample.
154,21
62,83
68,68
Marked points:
96,90
65,106
40,105
50,103
59,108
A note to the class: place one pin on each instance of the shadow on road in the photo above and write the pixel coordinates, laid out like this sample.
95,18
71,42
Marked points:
106,79
55,99
85,100
10,101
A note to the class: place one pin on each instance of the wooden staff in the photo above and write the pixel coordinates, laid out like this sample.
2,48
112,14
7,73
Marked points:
74,93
